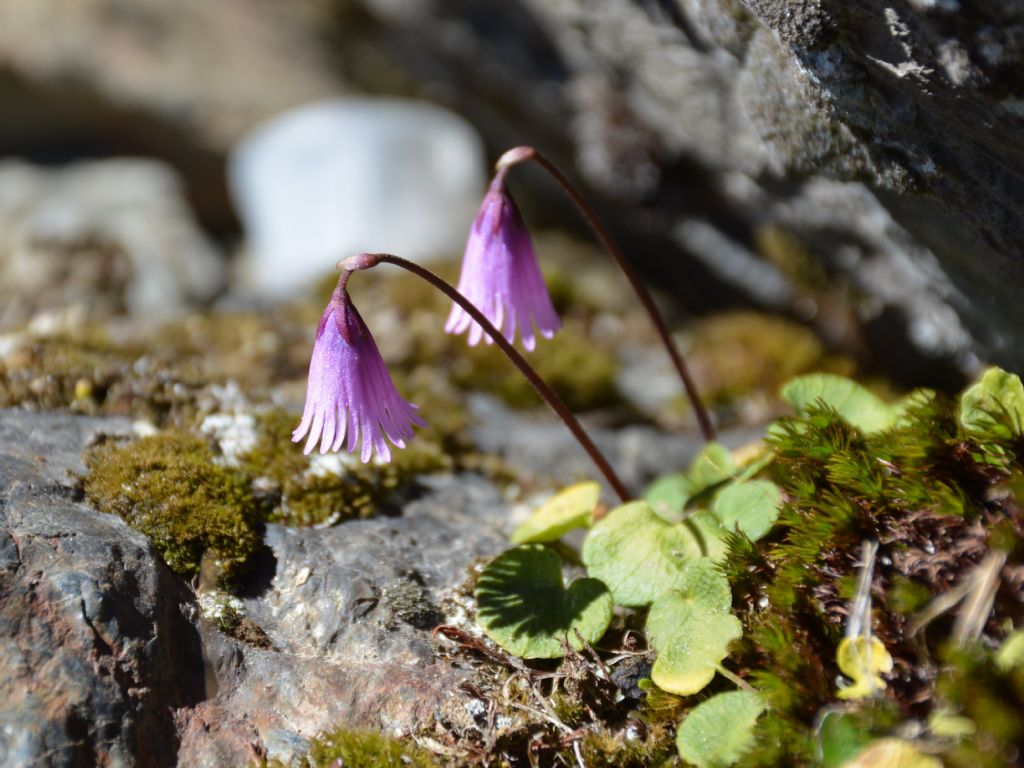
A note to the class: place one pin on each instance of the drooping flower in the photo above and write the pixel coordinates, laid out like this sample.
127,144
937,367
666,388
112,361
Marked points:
350,392
500,274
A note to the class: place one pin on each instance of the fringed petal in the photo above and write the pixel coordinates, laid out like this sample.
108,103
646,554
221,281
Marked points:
350,397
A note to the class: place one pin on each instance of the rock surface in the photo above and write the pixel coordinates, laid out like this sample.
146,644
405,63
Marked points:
98,643
101,238
352,175
348,613
103,649
541,449
883,138
108,658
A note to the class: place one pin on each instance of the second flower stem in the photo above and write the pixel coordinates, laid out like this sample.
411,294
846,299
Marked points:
368,260
522,154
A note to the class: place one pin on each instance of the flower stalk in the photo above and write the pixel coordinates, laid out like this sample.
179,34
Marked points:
522,154
369,260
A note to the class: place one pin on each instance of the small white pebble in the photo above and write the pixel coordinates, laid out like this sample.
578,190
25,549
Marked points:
235,433
302,576
143,428
633,733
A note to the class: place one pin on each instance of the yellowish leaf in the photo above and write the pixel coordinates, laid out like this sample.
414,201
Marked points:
863,660
892,753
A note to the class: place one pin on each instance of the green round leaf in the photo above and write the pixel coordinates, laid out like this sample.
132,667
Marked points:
667,496
523,606
567,510
639,555
713,465
709,533
840,738
719,731
857,405
691,632
702,582
753,507
994,406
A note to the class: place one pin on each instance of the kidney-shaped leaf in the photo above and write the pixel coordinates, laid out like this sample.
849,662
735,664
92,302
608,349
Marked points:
713,465
669,494
719,731
857,405
640,556
892,753
691,630
994,405
752,506
567,510
523,606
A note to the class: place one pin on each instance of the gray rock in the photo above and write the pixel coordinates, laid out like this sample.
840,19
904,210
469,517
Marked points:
102,649
921,100
100,238
98,647
885,137
234,63
348,611
542,450
703,123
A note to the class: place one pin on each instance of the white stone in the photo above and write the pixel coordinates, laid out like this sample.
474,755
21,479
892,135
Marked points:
235,433
135,205
331,179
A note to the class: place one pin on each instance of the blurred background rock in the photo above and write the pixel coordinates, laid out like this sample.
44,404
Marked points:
855,167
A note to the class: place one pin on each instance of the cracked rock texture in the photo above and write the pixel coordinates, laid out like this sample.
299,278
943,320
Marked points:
886,137
348,613
98,646
103,649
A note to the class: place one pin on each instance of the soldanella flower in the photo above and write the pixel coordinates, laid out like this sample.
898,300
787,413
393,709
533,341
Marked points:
350,392
500,274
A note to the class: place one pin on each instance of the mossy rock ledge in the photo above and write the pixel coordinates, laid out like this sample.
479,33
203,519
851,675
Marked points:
328,626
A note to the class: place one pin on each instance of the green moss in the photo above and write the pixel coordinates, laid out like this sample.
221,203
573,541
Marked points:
789,254
169,488
738,354
635,746
307,498
918,487
973,687
365,749
579,370
257,350
85,373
